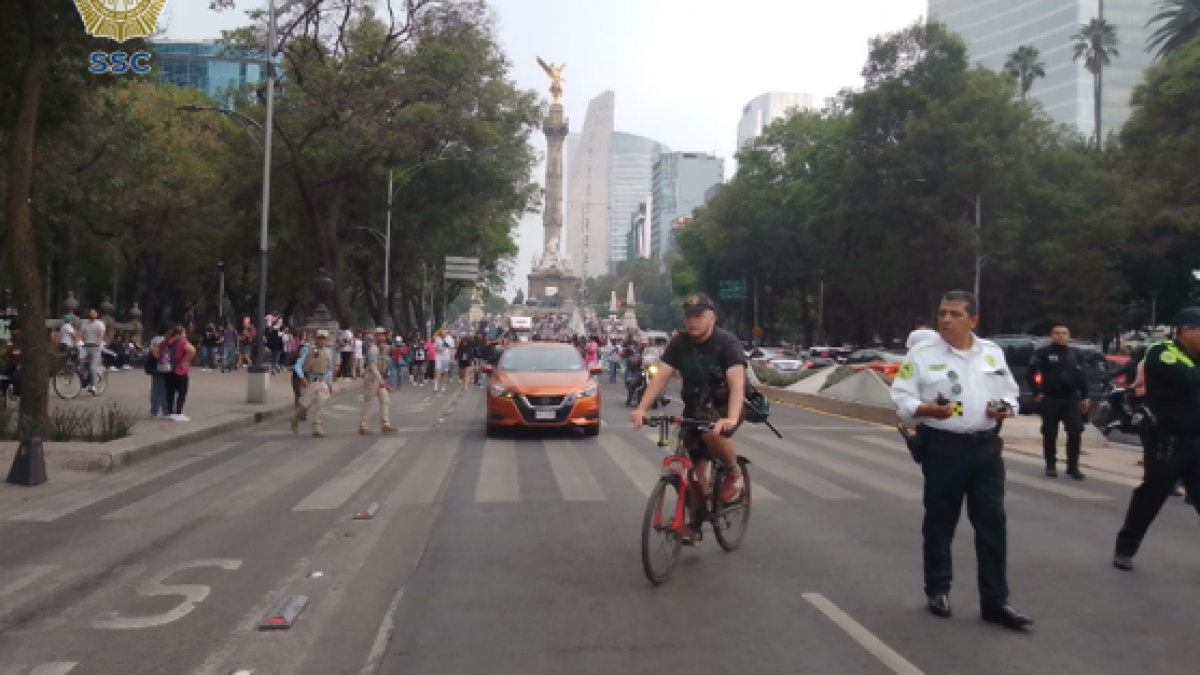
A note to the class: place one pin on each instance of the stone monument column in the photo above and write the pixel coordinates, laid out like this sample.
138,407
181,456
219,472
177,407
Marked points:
556,128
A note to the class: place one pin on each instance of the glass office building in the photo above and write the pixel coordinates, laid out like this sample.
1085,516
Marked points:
680,182
993,29
631,175
215,69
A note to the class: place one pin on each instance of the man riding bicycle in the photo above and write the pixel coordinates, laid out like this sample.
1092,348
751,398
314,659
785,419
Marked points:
713,368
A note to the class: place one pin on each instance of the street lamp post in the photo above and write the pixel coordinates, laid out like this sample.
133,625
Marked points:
221,295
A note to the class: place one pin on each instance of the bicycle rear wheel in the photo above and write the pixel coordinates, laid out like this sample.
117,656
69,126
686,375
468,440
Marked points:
660,539
730,521
67,383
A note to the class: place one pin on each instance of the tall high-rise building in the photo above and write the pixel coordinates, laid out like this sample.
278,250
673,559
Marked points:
680,182
762,110
636,237
588,220
993,29
212,68
631,173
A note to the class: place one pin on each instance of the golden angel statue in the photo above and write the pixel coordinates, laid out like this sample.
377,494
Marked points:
556,78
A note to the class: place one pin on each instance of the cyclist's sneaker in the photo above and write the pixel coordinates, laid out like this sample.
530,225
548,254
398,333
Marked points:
731,487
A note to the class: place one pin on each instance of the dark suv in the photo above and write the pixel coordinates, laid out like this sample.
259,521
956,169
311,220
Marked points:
1018,352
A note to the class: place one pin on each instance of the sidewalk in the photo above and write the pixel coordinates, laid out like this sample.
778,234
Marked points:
216,404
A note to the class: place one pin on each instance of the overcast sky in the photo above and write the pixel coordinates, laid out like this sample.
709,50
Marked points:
682,69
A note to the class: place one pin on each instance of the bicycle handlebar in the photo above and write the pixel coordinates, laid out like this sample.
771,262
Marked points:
668,420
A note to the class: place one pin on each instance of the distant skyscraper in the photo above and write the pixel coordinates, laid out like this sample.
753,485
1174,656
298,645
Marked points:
588,220
762,110
636,237
993,30
207,66
680,182
631,172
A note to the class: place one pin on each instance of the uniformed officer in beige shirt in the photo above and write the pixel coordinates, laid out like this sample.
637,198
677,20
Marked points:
375,387
314,366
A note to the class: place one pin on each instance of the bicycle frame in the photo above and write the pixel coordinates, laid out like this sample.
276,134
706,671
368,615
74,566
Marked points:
680,464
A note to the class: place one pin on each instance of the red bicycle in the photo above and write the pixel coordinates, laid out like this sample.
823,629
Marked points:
666,512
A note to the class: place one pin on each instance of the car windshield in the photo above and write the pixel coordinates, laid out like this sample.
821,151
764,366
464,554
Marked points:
541,360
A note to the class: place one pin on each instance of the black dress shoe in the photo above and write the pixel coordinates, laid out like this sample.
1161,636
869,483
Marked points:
1006,616
1052,473
1123,562
939,605
1076,474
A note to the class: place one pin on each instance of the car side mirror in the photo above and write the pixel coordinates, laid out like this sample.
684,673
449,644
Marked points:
596,370
488,369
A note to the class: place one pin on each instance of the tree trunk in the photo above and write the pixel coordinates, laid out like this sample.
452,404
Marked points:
1098,89
22,255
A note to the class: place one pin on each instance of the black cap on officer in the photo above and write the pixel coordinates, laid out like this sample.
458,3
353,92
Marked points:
1188,316
697,302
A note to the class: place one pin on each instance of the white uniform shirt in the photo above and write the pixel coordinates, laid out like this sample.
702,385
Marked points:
919,335
968,379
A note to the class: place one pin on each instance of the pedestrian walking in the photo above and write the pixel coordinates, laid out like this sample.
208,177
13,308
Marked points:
229,348
465,356
158,388
1056,379
314,367
1172,386
375,386
358,353
174,358
958,389
208,348
93,331
612,355
346,348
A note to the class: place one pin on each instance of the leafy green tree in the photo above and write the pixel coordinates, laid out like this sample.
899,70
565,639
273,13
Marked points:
1179,24
1096,43
1026,65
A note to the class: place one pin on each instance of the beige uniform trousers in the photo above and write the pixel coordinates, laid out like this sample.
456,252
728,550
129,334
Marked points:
313,399
372,391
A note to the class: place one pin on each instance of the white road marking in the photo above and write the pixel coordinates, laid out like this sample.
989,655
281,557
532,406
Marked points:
193,594
818,487
292,468
498,478
886,655
422,482
383,637
859,473
57,668
15,580
52,508
334,493
575,480
644,468
170,496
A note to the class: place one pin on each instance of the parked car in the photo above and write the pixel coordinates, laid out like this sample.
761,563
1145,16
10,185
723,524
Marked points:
874,354
1018,352
777,358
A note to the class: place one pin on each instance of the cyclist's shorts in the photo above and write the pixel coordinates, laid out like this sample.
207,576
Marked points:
692,436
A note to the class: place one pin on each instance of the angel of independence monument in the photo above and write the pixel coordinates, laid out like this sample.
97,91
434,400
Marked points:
552,282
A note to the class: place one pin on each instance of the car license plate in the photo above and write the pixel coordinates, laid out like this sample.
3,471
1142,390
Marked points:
545,415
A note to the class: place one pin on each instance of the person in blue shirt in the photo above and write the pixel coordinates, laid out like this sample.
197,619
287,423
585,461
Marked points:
314,367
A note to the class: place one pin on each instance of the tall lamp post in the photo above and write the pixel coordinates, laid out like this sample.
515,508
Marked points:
221,296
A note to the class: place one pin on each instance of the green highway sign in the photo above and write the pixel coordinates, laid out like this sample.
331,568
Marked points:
734,289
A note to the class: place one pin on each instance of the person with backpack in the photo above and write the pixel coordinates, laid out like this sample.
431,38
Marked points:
158,389
1058,383
174,356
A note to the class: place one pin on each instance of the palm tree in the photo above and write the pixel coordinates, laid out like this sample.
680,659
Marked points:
1097,43
1180,24
1024,64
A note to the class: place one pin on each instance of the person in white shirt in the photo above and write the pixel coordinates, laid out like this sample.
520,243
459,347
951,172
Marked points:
93,339
445,350
66,335
923,332
358,355
958,389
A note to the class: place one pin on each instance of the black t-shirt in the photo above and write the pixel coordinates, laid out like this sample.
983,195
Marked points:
210,338
702,367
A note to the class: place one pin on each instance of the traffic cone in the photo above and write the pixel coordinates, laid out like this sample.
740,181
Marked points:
29,464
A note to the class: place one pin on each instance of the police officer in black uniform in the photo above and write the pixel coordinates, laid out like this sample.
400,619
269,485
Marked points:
1056,378
1173,395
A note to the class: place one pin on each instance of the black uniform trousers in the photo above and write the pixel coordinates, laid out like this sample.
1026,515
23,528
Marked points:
956,469
1175,457
1063,410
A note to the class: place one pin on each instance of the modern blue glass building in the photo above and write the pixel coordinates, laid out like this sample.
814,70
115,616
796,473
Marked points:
212,68
631,176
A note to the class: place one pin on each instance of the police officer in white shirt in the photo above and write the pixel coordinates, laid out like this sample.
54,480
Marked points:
958,388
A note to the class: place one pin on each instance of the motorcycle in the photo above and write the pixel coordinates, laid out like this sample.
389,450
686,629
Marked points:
1117,411
636,385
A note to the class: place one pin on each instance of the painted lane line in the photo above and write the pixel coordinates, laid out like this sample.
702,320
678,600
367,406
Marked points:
886,655
498,477
879,481
422,482
291,469
52,508
645,474
334,493
383,636
575,481
56,668
818,487
1045,485
15,580
170,496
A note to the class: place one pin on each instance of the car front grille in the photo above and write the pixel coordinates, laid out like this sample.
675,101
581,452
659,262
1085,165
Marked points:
545,401
529,412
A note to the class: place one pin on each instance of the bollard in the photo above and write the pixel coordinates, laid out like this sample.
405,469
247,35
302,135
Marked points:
29,464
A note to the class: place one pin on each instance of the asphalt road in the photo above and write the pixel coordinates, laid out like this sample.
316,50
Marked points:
521,555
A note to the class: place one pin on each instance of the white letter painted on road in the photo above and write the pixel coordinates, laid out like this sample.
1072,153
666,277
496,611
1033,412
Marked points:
194,594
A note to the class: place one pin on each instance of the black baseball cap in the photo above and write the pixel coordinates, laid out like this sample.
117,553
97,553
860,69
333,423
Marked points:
1188,316
697,302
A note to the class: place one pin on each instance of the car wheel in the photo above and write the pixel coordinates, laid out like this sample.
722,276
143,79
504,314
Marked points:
593,430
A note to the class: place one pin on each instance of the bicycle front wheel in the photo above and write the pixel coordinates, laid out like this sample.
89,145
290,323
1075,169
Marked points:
67,384
660,539
730,521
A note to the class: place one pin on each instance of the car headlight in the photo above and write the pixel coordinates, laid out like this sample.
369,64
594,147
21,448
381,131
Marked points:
587,392
497,390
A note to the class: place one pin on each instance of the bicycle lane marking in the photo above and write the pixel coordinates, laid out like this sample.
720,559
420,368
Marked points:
865,638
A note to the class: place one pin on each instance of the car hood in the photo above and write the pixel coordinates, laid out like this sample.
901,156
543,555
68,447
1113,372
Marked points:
543,384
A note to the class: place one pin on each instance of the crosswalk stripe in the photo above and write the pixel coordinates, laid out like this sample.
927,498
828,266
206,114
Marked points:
1021,479
859,473
167,497
422,482
498,478
645,474
811,484
574,479
53,508
293,466
15,580
335,491
59,668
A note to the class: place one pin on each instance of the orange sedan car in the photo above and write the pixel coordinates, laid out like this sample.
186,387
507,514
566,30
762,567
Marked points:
543,384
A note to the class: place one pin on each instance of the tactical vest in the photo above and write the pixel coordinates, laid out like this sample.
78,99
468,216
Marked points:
316,362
